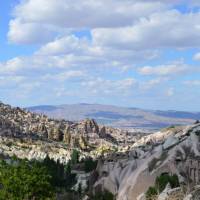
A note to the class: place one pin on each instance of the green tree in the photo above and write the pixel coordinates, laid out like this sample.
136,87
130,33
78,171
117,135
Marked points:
68,168
70,179
151,193
161,182
79,189
56,170
24,181
105,195
174,182
89,165
75,157
164,179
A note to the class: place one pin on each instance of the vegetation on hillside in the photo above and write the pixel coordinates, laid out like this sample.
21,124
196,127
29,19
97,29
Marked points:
160,184
89,165
105,195
23,180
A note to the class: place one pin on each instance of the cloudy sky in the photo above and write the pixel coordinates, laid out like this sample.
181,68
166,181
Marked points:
137,53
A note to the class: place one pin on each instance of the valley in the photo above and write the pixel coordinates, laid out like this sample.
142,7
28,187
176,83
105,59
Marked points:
127,163
119,117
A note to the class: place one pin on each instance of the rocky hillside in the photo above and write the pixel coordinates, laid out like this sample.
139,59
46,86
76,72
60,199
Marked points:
128,163
121,117
175,150
31,135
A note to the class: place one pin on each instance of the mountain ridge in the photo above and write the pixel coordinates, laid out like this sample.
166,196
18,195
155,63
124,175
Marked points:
112,105
121,117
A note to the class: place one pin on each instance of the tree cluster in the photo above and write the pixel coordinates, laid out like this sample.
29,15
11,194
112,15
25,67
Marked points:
160,184
23,180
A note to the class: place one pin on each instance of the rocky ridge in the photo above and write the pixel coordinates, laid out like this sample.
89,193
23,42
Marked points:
121,117
175,150
31,135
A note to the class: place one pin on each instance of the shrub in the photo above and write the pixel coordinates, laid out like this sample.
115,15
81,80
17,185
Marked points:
164,179
151,193
108,196
75,157
89,165
56,170
160,184
174,182
105,195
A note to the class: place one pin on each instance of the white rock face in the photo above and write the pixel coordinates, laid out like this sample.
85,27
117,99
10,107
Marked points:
164,195
82,178
125,181
171,140
141,197
35,150
188,197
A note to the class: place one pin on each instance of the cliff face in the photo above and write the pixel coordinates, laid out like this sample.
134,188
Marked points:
174,151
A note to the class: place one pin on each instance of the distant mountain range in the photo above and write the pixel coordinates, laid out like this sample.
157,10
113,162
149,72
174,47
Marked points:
118,116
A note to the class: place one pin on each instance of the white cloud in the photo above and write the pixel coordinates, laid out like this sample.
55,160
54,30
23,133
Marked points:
29,33
192,83
6,81
170,92
194,2
89,13
115,36
196,56
66,75
164,29
165,70
69,45
11,66
75,53
147,85
36,21
61,46
110,87
128,24
132,32
36,64
85,52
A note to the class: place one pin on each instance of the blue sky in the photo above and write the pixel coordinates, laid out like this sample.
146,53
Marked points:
128,52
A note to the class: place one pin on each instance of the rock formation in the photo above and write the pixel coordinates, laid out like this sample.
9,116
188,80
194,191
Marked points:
21,125
128,163
174,151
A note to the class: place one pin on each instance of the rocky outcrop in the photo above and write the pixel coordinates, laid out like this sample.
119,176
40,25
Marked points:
173,151
16,122
21,125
